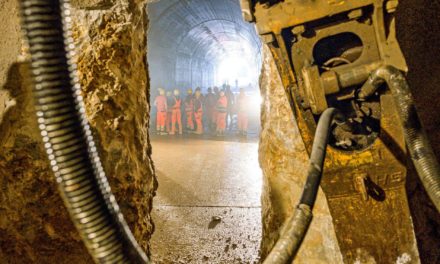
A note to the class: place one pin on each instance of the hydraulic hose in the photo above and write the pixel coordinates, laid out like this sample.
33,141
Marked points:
294,230
67,136
416,139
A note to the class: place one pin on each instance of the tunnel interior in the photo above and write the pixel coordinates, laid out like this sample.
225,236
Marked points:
211,185
195,43
204,199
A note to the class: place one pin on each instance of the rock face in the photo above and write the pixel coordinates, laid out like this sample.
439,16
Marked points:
283,159
113,73
34,224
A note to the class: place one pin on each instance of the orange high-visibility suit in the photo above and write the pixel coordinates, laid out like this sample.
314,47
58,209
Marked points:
222,109
189,110
161,104
176,115
198,114
242,108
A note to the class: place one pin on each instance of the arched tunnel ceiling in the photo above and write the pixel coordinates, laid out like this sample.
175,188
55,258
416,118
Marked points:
199,26
193,35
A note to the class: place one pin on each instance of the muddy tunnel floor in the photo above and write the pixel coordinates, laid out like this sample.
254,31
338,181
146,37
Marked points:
207,208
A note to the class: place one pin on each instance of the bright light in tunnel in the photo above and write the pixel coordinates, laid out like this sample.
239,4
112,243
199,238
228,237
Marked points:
238,68
255,102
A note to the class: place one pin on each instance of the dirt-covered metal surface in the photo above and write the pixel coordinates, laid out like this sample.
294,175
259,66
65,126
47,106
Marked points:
417,32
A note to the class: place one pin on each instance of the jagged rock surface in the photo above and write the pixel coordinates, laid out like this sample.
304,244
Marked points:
34,224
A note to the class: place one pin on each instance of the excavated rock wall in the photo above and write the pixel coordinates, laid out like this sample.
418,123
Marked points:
283,157
34,224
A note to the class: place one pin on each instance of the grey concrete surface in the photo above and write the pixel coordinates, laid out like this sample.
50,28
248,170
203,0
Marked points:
207,209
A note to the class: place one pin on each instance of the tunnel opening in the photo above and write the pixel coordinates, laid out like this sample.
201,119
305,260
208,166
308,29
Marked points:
200,55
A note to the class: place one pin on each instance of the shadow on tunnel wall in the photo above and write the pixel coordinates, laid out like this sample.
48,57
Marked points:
418,31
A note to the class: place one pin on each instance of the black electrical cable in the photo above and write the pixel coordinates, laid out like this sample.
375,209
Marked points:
317,156
294,230
67,136
420,149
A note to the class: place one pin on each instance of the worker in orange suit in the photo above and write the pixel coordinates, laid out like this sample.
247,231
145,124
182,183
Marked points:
221,109
176,115
161,106
198,110
242,112
169,111
189,110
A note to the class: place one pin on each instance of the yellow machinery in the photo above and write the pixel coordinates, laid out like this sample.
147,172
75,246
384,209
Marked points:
325,51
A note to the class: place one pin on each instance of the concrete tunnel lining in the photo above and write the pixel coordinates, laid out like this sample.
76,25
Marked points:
189,38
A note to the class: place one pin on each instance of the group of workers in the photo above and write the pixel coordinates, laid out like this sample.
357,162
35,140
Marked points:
213,111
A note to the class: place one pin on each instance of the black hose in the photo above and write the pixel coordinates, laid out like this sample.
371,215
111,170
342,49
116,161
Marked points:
67,136
294,230
291,236
317,156
416,139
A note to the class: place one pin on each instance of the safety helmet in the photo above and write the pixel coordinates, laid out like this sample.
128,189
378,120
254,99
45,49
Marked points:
176,92
198,92
190,91
161,91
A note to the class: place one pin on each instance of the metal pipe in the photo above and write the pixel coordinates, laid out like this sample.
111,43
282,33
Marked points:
295,228
68,138
416,139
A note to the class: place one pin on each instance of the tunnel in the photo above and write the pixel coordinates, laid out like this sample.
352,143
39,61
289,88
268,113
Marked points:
192,42
209,184
87,175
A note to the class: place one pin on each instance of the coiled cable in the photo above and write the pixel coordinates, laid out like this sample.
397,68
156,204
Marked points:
67,136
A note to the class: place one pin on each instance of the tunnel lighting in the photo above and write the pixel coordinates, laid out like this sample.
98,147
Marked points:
255,101
237,69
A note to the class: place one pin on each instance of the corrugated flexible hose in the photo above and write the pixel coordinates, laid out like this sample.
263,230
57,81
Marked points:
416,139
67,136
295,228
